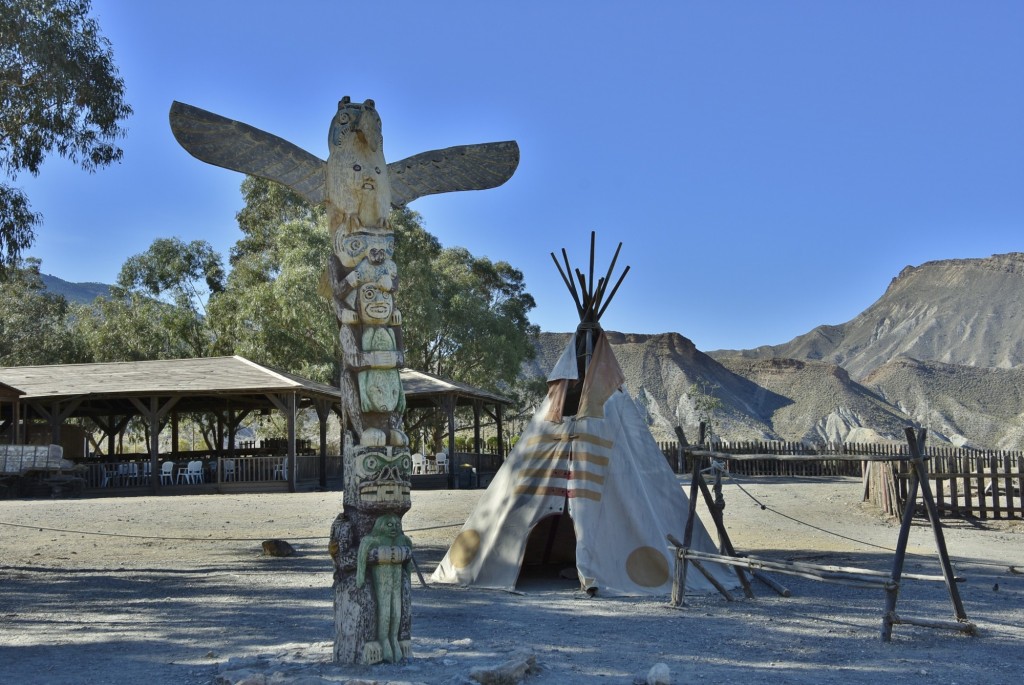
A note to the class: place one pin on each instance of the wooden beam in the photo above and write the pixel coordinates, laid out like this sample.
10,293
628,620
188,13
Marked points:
323,412
448,403
56,414
154,413
499,421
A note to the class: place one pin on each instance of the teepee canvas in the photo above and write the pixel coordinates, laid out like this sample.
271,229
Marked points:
586,484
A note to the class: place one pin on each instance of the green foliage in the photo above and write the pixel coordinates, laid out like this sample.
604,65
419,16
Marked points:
278,318
157,310
705,404
464,317
59,92
175,272
268,206
136,327
35,326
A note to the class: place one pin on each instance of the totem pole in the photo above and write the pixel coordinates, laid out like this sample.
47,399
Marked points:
372,555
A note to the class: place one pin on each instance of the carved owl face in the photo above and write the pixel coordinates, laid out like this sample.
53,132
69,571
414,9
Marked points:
354,119
358,186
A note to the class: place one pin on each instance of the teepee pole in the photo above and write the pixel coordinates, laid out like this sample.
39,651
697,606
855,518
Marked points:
568,283
608,276
614,290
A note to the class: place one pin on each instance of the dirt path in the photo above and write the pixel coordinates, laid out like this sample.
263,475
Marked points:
158,609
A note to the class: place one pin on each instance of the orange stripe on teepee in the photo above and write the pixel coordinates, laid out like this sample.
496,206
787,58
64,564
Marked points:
589,477
541,491
584,494
550,472
592,439
590,458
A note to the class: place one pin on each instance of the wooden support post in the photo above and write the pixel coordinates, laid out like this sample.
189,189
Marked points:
499,411
292,461
112,430
919,480
921,472
174,432
323,412
154,412
723,536
477,442
679,580
448,402
56,415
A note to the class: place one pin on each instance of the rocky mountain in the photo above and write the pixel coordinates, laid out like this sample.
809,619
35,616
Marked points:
775,399
963,404
942,348
956,311
83,293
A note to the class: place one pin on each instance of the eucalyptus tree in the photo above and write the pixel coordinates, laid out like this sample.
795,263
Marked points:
35,325
59,93
271,311
463,317
158,308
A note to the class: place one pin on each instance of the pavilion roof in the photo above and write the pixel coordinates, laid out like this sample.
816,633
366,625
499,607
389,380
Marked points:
201,383
211,375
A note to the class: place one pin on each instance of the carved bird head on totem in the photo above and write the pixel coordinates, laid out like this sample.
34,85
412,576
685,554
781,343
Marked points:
358,184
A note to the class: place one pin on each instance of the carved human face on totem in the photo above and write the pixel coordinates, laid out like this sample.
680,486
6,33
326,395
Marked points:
388,526
375,304
358,186
377,479
374,246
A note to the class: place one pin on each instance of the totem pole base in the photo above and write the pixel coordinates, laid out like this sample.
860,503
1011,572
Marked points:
373,558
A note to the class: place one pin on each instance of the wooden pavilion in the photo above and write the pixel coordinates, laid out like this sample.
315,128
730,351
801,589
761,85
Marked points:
231,388
424,391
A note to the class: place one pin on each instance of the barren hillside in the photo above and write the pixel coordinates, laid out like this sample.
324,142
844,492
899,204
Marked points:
956,311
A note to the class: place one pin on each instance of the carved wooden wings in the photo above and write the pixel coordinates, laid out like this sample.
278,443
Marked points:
233,145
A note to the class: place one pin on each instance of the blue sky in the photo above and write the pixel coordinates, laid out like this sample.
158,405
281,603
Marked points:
769,166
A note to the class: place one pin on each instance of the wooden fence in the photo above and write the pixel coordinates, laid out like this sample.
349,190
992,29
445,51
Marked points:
984,485
965,482
682,462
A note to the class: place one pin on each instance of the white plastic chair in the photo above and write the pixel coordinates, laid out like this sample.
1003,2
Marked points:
107,475
192,474
228,469
419,463
147,471
442,462
281,470
167,473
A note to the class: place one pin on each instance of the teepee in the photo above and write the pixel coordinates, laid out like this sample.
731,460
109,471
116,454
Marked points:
586,485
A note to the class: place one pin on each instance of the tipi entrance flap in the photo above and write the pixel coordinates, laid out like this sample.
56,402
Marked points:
552,542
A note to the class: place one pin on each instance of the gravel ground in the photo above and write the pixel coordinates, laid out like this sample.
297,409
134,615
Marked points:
193,595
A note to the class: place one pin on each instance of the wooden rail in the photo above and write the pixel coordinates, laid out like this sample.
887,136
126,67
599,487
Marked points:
856,577
966,482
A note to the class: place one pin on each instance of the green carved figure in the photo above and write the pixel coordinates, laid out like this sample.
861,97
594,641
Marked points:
388,551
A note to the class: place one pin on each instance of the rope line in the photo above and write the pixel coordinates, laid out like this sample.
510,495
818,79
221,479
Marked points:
186,539
765,507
